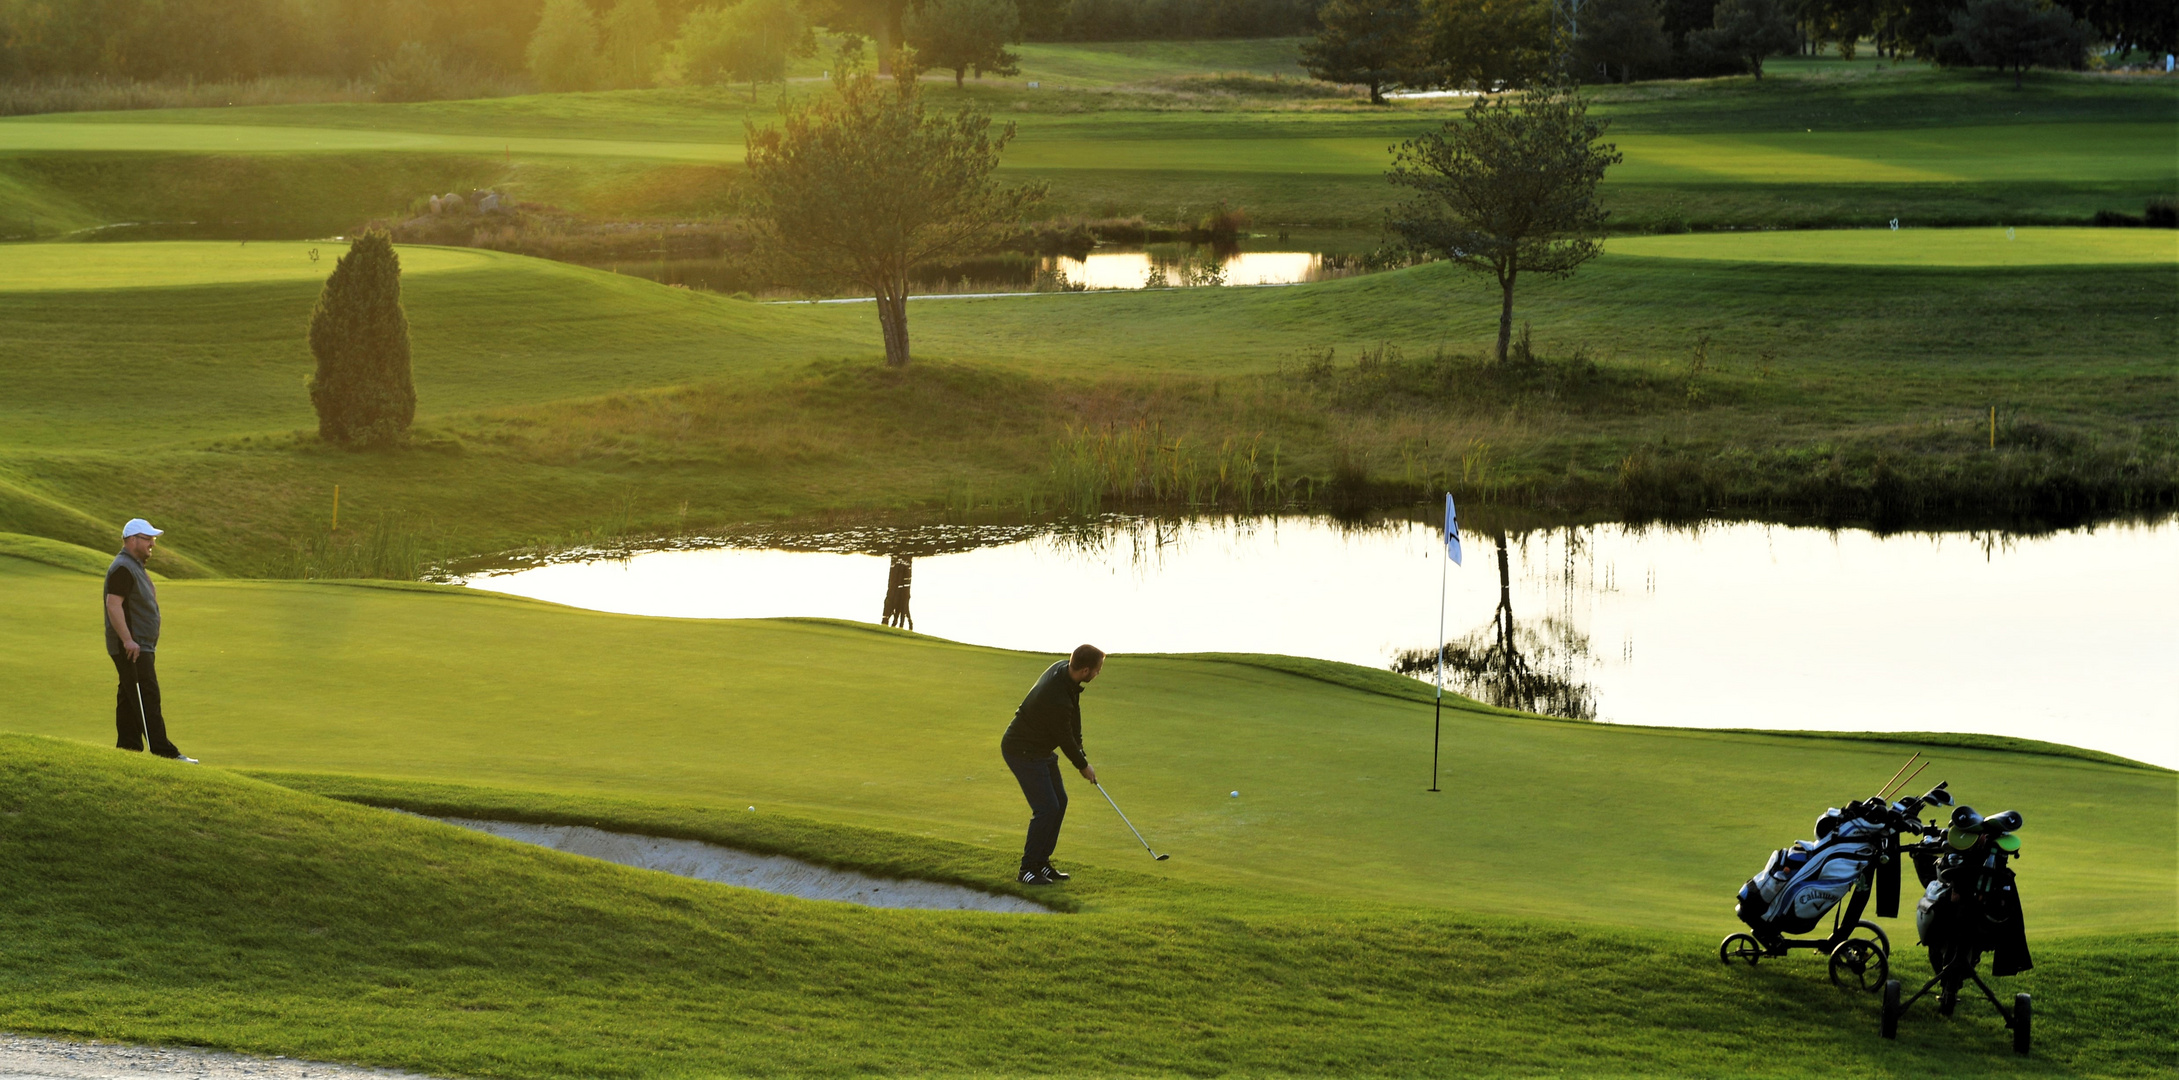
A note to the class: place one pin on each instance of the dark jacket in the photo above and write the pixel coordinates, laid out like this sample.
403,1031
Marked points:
1049,719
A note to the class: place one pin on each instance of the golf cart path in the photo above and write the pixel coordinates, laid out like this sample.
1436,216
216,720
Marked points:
770,873
25,1057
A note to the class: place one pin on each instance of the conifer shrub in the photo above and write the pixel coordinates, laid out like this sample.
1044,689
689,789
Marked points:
362,387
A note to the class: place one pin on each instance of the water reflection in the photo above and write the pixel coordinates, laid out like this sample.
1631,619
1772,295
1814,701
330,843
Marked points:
2066,636
1514,667
898,577
1195,267
1158,266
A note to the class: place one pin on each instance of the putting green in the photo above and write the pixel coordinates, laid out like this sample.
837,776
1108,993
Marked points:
101,267
862,725
1987,247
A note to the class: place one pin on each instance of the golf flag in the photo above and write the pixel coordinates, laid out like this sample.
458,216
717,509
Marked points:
1452,531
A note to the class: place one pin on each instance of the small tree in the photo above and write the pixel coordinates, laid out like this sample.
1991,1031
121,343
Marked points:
362,389
634,34
1627,35
1507,188
750,42
2014,35
1376,43
867,186
1749,32
563,51
957,35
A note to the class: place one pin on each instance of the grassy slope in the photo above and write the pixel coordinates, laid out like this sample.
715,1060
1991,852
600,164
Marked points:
859,725
1843,145
535,383
201,907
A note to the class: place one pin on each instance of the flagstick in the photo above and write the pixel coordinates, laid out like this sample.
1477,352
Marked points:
1437,720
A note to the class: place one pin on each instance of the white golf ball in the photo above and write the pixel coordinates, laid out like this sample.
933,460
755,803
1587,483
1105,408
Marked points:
1233,794
752,808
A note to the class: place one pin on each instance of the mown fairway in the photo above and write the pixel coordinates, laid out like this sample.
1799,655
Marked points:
1837,144
1334,919
558,400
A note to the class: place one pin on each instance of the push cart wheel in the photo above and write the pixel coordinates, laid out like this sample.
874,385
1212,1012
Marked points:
1858,965
1948,998
1891,1008
1883,940
2023,1012
1742,947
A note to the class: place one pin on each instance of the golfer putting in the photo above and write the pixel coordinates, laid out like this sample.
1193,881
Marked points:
1049,723
132,641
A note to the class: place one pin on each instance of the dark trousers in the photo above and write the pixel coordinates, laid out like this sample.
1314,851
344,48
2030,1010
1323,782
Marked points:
1038,775
133,715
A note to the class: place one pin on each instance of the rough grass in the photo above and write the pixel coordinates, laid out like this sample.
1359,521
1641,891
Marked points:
560,403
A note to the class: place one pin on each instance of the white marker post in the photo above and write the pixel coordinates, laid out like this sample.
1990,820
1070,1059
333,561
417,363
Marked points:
1452,555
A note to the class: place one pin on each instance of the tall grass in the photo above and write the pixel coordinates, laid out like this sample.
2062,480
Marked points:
1140,463
391,547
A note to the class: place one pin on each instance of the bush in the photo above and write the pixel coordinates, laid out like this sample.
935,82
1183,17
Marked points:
362,389
412,73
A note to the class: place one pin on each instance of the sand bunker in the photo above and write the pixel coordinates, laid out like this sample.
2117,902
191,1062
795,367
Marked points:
28,1058
771,873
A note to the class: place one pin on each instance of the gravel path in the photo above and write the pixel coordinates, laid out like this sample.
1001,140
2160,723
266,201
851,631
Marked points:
25,1058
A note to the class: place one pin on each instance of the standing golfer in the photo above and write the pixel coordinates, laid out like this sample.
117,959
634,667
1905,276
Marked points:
1050,719
132,637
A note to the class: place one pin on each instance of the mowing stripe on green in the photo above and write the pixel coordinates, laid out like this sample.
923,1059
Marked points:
1984,247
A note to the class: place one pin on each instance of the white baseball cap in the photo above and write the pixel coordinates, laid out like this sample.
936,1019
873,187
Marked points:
139,527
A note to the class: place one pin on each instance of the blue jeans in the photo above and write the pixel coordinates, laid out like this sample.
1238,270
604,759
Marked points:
1038,775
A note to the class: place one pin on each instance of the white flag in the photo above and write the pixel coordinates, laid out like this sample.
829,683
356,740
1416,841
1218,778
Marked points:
1452,531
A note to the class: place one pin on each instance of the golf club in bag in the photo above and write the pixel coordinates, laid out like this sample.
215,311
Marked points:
1130,825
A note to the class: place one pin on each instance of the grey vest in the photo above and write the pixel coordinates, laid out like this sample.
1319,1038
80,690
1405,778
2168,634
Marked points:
142,609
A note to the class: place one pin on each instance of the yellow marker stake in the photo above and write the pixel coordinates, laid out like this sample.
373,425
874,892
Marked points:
1993,427
336,508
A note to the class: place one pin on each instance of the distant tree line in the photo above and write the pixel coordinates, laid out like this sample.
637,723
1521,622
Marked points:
154,40
1427,44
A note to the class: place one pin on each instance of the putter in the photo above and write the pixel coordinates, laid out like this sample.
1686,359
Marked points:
1130,825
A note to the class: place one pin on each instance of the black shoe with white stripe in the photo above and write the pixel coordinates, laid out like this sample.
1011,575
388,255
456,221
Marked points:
1034,877
1054,874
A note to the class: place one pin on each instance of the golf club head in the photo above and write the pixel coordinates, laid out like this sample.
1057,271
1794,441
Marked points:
1162,858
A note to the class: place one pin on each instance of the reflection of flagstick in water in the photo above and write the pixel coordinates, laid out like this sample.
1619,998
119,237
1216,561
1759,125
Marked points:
1452,555
1493,663
897,579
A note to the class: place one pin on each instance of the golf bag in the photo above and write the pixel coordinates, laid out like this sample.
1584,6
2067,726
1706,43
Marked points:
1802,883
1971,899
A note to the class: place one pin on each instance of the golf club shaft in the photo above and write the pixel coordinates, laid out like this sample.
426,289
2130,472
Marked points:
1123,819
143,717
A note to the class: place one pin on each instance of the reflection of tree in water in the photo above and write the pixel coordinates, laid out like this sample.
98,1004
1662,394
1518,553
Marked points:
1512,666
897,579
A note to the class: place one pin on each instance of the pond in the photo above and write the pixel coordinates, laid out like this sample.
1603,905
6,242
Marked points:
1282,258
2068,636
